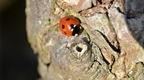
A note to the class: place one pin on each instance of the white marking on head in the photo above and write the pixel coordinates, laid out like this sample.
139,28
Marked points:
69,27
72,29
74,26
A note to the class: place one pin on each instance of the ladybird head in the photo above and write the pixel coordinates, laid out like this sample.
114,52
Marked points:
70,26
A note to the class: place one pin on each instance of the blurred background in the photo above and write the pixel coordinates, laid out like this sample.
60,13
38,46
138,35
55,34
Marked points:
17,58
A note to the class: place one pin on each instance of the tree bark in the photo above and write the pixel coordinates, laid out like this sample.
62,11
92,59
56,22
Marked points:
111,44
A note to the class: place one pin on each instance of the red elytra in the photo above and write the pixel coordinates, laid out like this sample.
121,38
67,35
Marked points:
69,25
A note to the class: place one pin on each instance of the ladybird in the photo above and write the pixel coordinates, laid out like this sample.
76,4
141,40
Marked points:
70,26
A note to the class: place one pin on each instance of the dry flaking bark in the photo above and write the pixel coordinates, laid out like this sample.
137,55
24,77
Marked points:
109,48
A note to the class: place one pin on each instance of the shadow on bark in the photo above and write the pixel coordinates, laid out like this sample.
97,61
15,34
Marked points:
18,59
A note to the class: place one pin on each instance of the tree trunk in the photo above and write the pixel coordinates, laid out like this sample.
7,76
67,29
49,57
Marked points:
110,47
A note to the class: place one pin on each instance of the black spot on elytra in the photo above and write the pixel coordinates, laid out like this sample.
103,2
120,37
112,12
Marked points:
64,32
67,19
63,26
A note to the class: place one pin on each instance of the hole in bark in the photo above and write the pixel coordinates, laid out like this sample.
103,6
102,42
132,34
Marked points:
79,49
77,30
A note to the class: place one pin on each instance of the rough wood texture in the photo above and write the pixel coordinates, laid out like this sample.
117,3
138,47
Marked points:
111,43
